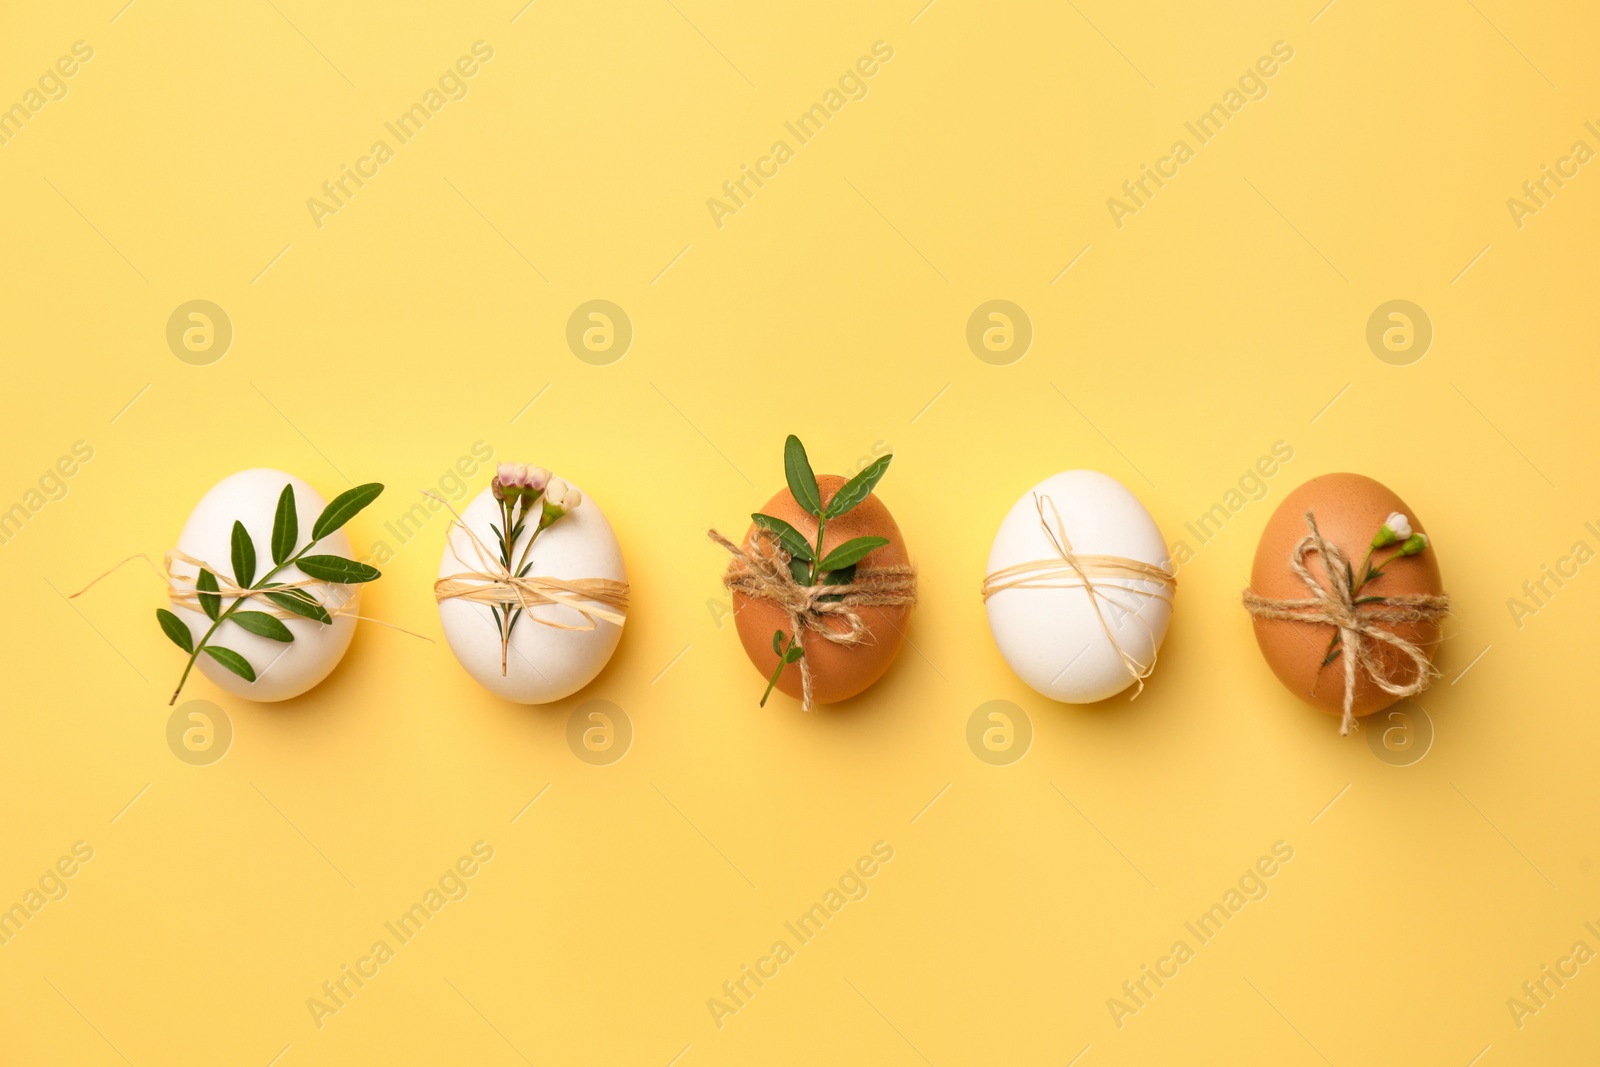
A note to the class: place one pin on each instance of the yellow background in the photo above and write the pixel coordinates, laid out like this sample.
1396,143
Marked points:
1228,314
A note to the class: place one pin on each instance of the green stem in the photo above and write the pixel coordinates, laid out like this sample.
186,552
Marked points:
816,557
222,618
816,562
782,663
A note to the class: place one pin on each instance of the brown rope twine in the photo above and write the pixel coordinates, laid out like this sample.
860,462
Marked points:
763,573
1361,633
1070,570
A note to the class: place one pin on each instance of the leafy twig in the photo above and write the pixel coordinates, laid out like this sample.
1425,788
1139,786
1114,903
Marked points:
285,534
806,562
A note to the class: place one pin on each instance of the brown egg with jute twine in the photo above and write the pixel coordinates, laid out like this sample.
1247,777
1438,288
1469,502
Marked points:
1346,597
827,640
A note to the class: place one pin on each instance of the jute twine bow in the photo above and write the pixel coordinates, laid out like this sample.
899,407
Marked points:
183,592
493,584
763,573
1360,625
1071,570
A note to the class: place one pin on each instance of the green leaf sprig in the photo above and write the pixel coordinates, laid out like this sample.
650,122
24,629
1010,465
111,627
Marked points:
806,562
285,535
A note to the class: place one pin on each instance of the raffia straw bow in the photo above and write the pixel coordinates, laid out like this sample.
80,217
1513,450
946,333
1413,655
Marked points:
1359,624
182,590
493,584
1071,570
763,573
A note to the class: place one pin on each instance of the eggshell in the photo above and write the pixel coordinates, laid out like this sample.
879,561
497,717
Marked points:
543,663
1052,638
1349,509
283,670
838,673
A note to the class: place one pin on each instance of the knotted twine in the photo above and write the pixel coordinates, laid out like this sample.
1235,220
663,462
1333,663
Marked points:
1360,634
493,584
763,573
1071,570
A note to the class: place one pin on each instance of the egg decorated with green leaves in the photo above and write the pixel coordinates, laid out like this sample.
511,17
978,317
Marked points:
264,584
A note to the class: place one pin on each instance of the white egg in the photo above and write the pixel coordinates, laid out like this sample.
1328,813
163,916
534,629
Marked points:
283,670
543,663
1052,637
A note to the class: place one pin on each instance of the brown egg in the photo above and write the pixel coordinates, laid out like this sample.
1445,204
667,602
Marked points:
1349,510
837,672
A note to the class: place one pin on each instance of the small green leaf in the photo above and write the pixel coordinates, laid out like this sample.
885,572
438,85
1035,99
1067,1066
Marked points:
794,542
851,551
857,489
793,654
842,576
263,625
310,609
338,569
206,586
231,660
285,527
344,508
244,555
174,628
777,640
802,483
801,570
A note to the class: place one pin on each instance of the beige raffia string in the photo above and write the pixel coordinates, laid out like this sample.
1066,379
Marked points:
1359,625
181,590
1072,570
763,573
493,584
